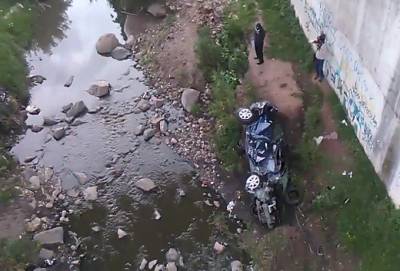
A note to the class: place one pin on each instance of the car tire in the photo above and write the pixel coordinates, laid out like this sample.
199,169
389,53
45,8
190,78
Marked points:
245,115
292,195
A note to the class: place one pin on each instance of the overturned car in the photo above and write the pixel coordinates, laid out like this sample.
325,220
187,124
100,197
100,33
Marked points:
269,180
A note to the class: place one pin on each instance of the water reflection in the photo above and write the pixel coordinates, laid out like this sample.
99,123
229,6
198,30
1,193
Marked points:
51,27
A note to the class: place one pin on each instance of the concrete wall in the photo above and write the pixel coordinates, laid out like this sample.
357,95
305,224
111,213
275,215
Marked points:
364,70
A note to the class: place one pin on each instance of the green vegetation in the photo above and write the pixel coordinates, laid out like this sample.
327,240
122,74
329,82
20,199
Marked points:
358,207
286,37
223,61
15,254
16,27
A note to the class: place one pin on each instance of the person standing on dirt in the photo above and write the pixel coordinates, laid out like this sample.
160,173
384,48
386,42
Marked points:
259,35
320,56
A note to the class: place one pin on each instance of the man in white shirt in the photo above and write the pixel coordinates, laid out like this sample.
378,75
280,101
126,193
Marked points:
321,55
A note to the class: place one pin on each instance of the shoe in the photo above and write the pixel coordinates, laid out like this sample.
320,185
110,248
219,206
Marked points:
316,77
256,58
321,79
259,63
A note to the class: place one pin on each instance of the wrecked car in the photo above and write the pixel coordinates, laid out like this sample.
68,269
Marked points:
269,181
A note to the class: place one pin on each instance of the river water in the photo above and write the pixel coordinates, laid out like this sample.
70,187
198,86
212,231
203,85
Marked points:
105,149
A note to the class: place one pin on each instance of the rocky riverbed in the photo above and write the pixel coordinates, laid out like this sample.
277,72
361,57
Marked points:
116,169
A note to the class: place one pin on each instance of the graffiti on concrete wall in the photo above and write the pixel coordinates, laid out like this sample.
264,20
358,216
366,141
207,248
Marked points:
345,72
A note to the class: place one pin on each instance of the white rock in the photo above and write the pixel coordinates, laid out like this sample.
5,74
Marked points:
219,248
152,264
157,215
236,266
33,225
171,266
90,193
34,182
49,237
121,233
143,264
159,267
32,109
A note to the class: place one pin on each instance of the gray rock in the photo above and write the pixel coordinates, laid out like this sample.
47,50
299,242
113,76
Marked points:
143,105
171,266
77,122
46,254
90,193
100,89
58,133
236,266
159,267
189,98
30,159
139,130
143,264
106,43
34,182
69,82
157,10
36,128
47,121
163,126
76,110
73,193
50,237
152,264
81,177
145,184
120,53
37,79
148,134
67,107
33,225
33,110
172,255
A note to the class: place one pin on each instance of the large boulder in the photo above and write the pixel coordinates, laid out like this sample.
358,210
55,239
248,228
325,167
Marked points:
50,237
100,89
106,43
77,109
120,53
189,98
157,10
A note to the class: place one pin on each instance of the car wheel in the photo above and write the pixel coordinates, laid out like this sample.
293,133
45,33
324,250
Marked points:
245,115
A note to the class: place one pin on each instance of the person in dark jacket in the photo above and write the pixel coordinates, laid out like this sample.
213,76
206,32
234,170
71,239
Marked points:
259,35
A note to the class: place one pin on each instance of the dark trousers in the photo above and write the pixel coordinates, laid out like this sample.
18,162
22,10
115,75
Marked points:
319,68
259,53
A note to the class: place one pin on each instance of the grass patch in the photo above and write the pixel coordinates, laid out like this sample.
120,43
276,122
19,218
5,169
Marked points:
15,254
366,219
286,37
223,61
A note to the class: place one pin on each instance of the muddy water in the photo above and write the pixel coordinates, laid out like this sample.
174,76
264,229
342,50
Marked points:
105,149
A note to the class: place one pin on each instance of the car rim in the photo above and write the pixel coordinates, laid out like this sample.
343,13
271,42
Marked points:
245,114
252,182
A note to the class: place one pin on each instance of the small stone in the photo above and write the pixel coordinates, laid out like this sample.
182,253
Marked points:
159,267
67,107
181,193
96,228
236,266
33,225
121,234
73,193
143,264
81,177
34,182
174,141
172,255
163,126
139,130
69,82
171,266
76,110
219,248
148,134
189,98
36,128
58,133
30,159
90,193
143,105
157,215
47,121
120,53
100,89
145,184
46,254
32,109
152,264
